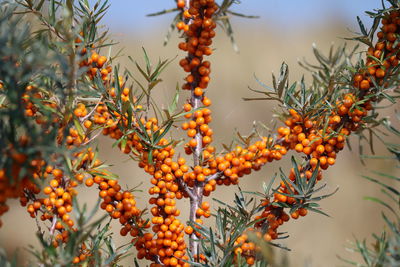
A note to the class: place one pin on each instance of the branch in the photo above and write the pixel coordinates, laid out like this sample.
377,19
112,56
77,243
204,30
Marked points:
93,110
92,138
44,22
53,225
214,176
186,188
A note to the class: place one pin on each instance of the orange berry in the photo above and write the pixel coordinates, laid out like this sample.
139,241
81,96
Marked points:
364,85
191,132
303,212
180,4
320,149
299,147
313,162
54,183
358,78
205,205
380,73
47,190
193,143
295,214
89,182
101,61
198,91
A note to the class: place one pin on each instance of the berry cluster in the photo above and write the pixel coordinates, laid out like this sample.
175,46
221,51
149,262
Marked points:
246,248
321,139
198,27
241,161
54,200
84,253
94,62
167,246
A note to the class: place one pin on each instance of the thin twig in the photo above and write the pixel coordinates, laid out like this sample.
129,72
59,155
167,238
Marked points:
92,138
214,176
92,111
53,225
186,188
44,22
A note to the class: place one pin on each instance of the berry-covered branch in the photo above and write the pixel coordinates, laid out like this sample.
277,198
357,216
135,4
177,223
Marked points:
52,111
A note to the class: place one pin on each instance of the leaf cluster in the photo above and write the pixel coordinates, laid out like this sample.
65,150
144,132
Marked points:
384,250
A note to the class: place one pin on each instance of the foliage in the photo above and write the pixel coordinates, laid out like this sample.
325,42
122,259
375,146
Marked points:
384,250
58,94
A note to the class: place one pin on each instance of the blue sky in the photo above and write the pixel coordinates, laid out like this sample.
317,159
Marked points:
131,14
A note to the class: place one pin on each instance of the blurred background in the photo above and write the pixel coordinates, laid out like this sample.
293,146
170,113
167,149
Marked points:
285,31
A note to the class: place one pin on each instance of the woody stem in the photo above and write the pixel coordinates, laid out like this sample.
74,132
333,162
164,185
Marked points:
197,196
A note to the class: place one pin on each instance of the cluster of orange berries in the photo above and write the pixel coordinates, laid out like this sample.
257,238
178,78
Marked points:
84,254
118,204
274,217
321,146
198,125
60,191
168,245
241,161
94,62
7,190
198,27
74,138
304,136
385,52
80,110
12,185
204,210
59,200
32,111
246,248
57,203
199,34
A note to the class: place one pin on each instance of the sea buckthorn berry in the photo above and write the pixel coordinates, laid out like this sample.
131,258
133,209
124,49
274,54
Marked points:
89,182
180,25
320,149
87,124
364,85
101,60
205,206
193,142
358,78
198,91
302,212
180,3
380,73
299,148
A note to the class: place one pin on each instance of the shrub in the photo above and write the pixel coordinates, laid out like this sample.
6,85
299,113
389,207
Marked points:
58,93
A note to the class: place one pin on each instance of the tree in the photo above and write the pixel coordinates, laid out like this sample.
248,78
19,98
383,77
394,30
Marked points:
58,94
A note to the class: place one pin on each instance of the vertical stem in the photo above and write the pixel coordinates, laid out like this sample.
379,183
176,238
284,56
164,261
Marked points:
198,186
